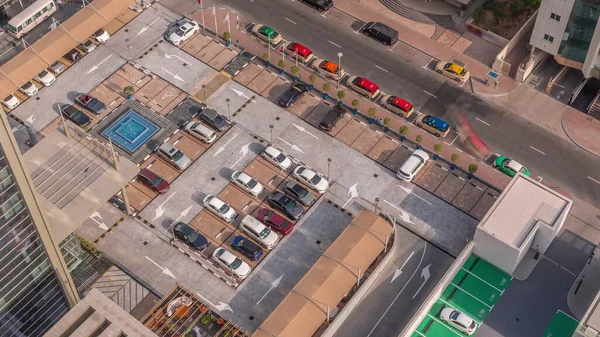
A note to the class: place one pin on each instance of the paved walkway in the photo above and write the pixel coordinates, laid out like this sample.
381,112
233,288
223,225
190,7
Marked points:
582,129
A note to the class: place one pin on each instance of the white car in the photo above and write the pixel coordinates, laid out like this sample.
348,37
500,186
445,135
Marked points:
57,67
45,77
232,263
101,36
277,158
88,46
219,208
413,165
186,28
247,183
311,179
11,101
29,89
201,132
259,232
459,320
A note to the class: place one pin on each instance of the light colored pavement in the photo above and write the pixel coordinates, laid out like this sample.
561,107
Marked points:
582,129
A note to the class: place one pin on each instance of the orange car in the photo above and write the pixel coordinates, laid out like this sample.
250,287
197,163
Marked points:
328,69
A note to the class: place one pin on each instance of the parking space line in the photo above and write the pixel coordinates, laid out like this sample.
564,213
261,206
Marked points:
427,92
459,150
482,280
533,148
290,20
335,44
443,323
479,188
594,180
381,68
539,181
455,138
454,307
475,297
361,27
324,14
482,121
461,178
393,46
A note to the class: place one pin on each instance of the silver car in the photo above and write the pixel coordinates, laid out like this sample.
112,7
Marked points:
57,67
174,156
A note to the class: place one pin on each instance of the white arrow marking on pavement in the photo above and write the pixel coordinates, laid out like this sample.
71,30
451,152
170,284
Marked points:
425,274
403,215
54,24
184,213
303,129
293,146
274,285
30,119
165,271
95,67
244,151
353,194
100,223
145,28
222,148
398,271
401,290
160,210
220,307
241,94
409,191
175,56
175,76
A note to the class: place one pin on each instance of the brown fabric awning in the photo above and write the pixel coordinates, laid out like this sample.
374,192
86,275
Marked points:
305,308
52,46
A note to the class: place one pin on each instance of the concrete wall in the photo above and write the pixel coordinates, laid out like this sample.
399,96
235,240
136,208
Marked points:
513,42
546,25
527,243
537,56
495,251
592,58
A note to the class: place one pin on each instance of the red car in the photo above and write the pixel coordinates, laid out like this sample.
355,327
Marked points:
363,86
275,221
153,181
295,49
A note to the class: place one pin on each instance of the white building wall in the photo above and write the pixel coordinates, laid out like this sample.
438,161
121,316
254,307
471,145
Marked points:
495,251
544,24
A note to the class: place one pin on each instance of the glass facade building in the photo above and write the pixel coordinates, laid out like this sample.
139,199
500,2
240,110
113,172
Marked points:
580,30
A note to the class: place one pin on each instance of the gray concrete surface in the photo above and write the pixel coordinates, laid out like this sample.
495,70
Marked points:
586,287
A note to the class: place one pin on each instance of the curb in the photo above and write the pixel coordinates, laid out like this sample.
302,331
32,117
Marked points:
562,124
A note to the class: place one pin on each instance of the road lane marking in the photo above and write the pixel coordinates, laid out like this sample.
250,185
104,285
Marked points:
290,21
539,181
533,148
455,138
335,44
381,68
482,121
594,180
427,92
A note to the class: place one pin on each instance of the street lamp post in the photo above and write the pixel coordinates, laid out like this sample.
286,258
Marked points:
204,90
271,132
328,166
228,110
339,68
376,204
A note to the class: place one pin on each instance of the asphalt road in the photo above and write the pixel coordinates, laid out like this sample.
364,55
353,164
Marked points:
558,162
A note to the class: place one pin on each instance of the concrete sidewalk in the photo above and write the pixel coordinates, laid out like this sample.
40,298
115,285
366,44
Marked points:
582,129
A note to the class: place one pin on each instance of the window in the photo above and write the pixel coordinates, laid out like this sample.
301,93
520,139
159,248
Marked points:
548,38
555,17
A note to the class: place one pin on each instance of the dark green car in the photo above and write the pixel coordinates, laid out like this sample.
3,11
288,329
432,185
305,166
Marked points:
510,167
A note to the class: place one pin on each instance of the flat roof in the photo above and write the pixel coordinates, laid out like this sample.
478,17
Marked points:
520,206
74,179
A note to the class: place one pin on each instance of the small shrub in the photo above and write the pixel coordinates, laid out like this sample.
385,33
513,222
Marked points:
312,78
403,130
281,64
372,112
341,94
454,158
227,36
533,3
473,168
387,122
438,148
355,103
128,91
266,57
295,70
516,9
326,86
419,139
88,246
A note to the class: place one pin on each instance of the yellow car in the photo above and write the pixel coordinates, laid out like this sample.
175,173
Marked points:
452,70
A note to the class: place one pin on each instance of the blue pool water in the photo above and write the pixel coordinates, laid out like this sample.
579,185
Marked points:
131,131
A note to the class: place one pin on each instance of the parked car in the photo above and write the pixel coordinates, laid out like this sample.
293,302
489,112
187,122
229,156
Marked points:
328,69
267,33
11,101
185,29
214,119
75,115
247,183
201,132
278,223
381,32
413,164
277,158
74,55
247,248
285,204
57,67
153,181
363,86
397,105
219,208
232,263
320,5
190,236
311,178
452,70
90,103
101,35
259,232
438,127
173,156
332,118
295,49
45,77
88,46
459,320
29,89
299,193
293,95
510,167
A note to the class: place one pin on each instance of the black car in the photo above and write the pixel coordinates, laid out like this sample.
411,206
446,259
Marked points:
75,115
190,236
90,103
320,5
74,55
299,193
247,247
332,118
293,95
381,32
214,119
286,205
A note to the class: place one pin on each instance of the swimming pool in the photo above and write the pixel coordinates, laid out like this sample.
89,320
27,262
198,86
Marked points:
131,131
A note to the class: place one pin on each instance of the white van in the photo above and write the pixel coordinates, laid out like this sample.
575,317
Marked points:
413,165
259,232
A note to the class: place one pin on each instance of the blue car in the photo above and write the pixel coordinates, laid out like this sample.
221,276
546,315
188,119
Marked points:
247,247
438,127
